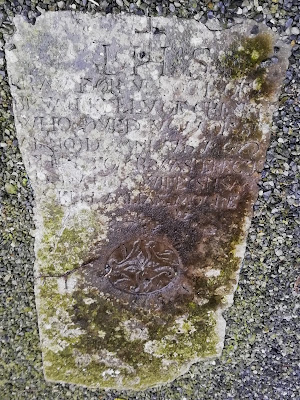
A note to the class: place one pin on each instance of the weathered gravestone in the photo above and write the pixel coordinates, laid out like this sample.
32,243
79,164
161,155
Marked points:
143,139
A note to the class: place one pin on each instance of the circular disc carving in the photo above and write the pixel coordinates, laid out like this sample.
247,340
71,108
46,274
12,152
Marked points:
142,266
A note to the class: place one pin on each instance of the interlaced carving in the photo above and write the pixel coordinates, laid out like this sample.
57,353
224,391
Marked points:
142,266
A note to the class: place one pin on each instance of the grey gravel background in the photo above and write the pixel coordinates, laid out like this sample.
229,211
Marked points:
261,355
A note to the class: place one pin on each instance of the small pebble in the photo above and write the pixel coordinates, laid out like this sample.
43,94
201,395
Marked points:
172,7
10,189
295,30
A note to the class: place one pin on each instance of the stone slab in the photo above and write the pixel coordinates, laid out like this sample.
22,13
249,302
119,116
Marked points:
143,139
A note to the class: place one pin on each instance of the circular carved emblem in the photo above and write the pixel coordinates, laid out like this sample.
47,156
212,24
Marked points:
142,266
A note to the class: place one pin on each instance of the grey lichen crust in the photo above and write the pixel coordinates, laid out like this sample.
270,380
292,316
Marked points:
143,139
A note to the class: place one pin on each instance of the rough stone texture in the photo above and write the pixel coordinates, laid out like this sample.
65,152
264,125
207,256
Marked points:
143,139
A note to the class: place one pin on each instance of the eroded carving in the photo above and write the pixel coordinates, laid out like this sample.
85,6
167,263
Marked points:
142,266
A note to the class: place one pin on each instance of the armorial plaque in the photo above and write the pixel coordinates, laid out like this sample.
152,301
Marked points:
143,139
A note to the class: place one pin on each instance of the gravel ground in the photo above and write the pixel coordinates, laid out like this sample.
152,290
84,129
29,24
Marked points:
260,358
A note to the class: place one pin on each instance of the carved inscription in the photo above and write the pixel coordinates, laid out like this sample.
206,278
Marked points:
134,96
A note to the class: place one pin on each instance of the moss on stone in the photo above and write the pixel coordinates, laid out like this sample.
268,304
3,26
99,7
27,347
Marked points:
264,88
244,57
101,322
172,349
66,238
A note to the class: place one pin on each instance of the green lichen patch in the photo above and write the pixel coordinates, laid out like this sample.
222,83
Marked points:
247,129
264,88
114,345
85,339
244,56
92,337
217,288
66,238
56,323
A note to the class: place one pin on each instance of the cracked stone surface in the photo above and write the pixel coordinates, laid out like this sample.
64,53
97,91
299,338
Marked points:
143,139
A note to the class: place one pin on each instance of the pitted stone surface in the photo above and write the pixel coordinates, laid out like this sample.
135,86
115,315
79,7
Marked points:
143,139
